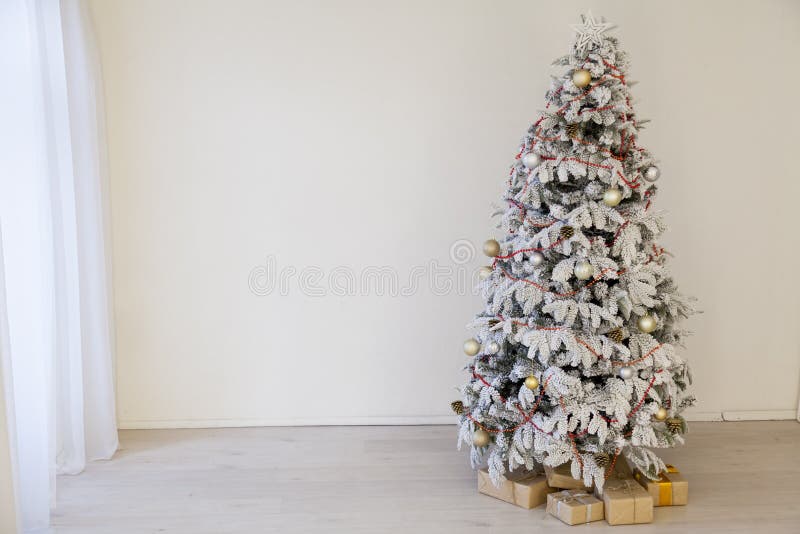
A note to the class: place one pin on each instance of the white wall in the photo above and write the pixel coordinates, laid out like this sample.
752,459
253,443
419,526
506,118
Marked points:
8,504
376,133
9,523
8,498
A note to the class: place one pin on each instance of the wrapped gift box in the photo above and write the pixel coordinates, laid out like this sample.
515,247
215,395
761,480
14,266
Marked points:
561,477
672,489
625,502
575,506
621,468
523,488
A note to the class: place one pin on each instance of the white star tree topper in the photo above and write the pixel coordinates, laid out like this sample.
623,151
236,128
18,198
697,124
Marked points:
590,32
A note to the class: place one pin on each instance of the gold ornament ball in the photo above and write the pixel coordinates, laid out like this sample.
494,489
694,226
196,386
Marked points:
485,272
661,414
647,323
612,197
581,78
583,270
471,347
491,248
531,382
481,438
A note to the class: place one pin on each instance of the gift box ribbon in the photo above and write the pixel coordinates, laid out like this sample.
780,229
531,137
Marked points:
620,481
565,497
664,485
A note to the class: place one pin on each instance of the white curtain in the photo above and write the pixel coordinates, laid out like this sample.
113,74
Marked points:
54,229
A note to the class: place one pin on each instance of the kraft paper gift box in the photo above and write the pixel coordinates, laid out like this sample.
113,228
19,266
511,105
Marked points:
625,502
575,506
561,477
621,468
671,489
525,489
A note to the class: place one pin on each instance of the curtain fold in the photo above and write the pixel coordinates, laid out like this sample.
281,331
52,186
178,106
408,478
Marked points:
54,213
93,434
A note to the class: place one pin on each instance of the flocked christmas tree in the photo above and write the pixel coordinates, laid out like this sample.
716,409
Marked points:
574,357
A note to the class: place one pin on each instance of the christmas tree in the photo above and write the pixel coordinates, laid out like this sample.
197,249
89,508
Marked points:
574,357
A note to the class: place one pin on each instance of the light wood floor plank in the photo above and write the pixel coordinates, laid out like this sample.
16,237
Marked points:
743,478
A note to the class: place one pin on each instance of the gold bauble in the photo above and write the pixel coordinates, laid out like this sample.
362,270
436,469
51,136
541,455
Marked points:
471,347
531,382
583,270
485,272
612,197
661,414
491,248
581,78
647,323
481,438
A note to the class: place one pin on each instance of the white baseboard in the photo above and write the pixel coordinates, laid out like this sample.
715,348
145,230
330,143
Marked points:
759,415
742,415
702,416
141,424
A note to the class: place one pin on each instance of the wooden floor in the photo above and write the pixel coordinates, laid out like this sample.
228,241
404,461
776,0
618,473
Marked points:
744,477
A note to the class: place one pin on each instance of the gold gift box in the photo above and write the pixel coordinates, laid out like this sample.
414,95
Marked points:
523,488
672,489
575,506
561,477
625,501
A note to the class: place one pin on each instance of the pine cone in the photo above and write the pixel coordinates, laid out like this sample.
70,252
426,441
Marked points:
617,335
457,406
567,232
573,130
602,459
675,425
